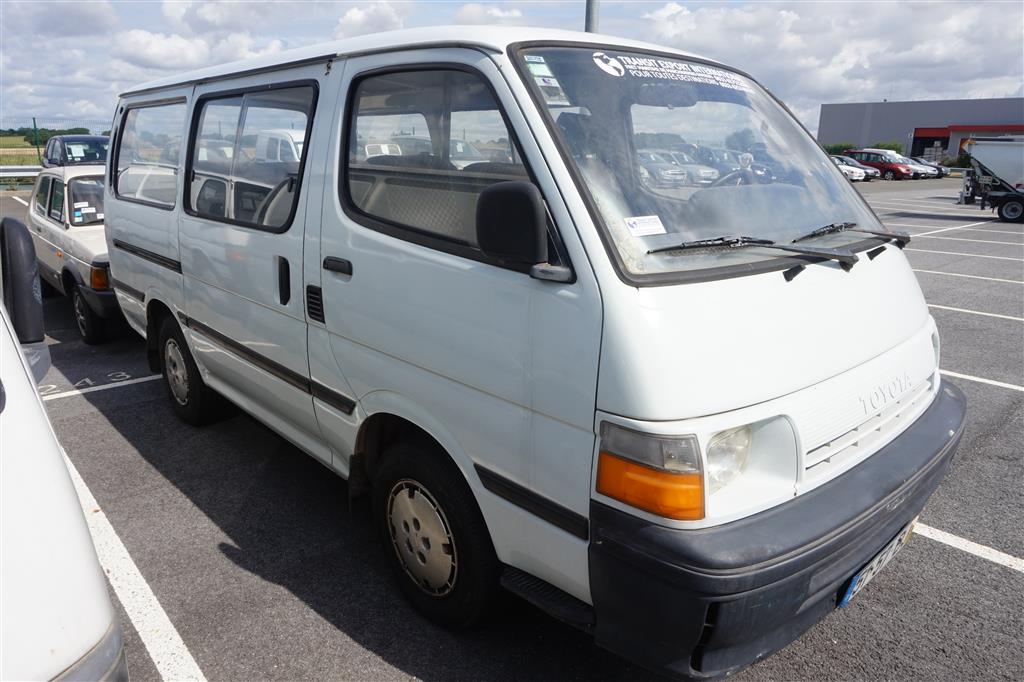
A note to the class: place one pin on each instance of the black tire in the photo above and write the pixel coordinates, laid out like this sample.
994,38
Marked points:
197,404
1011,211
465,579
889,175
91,327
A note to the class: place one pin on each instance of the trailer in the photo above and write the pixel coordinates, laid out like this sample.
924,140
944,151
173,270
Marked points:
998,164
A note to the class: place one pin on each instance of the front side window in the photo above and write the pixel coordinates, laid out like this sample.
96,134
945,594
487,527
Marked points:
672,151
422,146
147,154
85,195
241,169
56,211
42,192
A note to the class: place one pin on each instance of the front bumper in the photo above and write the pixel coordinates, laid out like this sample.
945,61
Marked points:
102,301
704,603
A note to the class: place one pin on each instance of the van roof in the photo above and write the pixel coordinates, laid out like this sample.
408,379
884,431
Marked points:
489,38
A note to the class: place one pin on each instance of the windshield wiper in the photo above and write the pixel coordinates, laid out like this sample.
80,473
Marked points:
845,257
901,238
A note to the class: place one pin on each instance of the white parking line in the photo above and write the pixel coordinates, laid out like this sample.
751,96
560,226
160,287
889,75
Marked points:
964,239
976,312
972,255
20,201
171,657
993,555
990,382
955,227
957,274
126,382
890,207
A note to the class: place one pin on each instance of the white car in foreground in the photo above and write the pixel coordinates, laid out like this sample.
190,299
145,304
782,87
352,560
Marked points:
58,622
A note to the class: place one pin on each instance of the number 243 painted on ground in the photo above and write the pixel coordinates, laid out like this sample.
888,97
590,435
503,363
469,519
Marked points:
112,377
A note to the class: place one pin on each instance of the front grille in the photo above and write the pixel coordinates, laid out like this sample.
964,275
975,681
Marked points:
876,430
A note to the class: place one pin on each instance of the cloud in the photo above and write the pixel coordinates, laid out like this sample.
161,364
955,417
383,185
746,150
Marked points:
374,17
160,50
477,13
64,20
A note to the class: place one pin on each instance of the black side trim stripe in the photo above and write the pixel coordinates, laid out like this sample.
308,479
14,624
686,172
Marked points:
332,398
152,257
553,513
125,289
317,390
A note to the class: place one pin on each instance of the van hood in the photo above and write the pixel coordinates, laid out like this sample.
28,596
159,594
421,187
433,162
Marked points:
689,350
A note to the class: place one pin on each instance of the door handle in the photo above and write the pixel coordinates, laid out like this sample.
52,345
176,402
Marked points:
339,265
284,279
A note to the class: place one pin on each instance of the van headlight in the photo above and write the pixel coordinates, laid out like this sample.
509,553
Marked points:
727,456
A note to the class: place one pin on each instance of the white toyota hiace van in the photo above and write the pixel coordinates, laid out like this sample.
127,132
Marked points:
691,420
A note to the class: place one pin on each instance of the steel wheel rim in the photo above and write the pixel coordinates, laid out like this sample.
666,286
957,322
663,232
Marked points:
422,538
79,305
1013,210
177,374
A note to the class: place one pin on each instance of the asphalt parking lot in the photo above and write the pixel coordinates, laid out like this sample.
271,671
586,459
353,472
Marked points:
251,551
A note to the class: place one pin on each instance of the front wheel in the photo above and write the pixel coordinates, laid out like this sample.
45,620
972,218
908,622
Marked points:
91,326
1011,211
193,401
436,539
889,175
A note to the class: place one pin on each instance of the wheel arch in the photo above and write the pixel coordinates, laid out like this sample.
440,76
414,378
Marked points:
69,279
156,312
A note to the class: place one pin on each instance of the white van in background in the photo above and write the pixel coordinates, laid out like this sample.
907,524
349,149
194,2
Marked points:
689,420
58,622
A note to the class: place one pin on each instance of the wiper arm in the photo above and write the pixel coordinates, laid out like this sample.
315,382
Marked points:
901,238
845,257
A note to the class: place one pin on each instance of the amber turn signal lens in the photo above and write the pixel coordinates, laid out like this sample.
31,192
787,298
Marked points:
98,278
672,495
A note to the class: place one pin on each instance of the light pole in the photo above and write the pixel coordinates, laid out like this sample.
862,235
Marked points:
591,20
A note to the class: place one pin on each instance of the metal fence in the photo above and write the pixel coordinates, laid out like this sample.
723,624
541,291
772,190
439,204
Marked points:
23,140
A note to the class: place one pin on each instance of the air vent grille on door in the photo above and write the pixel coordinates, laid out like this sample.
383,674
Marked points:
315,303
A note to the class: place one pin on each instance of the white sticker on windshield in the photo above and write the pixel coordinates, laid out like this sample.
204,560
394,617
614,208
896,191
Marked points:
668,69
540,70
535,58
99,216
80,204
89,209
644,225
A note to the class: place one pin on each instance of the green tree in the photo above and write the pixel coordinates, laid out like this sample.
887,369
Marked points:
741,140
894,145
839,147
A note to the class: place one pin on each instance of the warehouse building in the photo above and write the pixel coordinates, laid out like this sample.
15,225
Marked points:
926,128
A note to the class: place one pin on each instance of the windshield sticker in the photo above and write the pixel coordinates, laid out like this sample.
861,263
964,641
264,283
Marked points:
77,218
644,225
667,69
90,209
535,58
99,216
540,70
80,204
552,90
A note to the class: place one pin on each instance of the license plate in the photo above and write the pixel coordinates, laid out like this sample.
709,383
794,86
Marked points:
874,567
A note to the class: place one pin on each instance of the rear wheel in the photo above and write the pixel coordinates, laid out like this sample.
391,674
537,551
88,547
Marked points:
437,542
192,400
91,326
1011,211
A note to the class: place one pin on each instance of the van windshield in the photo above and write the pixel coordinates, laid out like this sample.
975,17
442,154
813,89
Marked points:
672,151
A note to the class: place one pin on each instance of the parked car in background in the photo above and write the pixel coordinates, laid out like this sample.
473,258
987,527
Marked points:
279,145
65,219
941,170
58,622
920,170
869,172
699,173
69,150
886,161
852,173
659,170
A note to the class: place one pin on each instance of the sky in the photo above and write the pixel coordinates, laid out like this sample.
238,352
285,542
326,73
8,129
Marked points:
71,59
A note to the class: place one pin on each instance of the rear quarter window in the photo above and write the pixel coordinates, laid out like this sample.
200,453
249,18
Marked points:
148,151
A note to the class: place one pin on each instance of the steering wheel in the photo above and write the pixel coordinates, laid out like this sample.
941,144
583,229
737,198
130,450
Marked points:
742,176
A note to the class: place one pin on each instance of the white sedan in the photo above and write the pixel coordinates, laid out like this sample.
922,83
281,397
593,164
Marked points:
852,174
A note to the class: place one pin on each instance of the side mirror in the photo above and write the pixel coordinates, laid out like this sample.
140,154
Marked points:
511,223
22,295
